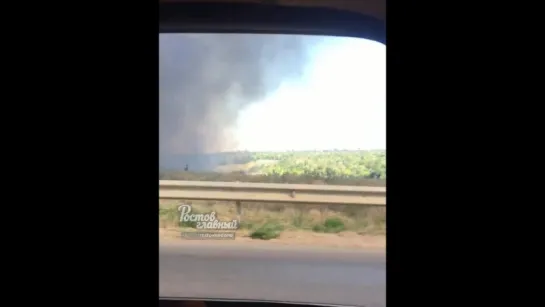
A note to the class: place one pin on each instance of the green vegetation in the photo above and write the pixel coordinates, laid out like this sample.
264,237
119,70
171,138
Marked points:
268,231
326,167
324,164
331,225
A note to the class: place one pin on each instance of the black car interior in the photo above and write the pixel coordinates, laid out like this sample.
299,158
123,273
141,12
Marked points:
172,302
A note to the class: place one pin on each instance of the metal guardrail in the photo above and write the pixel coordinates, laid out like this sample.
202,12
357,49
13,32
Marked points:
271,192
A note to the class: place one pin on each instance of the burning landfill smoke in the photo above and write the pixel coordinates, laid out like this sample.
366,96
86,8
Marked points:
206,79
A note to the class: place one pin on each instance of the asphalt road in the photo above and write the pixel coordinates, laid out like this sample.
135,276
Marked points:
322,276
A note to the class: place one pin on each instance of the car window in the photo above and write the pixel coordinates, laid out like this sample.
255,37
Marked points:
272,167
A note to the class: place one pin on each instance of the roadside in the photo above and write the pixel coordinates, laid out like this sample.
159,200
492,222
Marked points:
345,240
285,224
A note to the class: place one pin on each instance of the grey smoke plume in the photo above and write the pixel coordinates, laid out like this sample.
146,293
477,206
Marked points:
206,79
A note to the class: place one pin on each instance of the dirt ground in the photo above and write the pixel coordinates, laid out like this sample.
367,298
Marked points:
347,239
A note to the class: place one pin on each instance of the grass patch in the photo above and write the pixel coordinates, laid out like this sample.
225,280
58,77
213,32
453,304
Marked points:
298,218
267,231
331,225
168,217
247,225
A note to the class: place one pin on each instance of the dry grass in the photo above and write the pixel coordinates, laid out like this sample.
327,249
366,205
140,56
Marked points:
362,220
238,176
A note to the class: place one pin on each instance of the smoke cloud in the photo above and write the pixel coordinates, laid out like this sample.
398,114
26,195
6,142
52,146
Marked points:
206,79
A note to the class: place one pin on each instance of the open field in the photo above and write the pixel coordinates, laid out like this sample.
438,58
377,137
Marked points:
309,224
357,168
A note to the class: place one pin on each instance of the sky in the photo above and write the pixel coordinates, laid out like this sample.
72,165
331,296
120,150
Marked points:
339,103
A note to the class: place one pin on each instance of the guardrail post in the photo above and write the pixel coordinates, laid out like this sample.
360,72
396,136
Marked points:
258,193
239,210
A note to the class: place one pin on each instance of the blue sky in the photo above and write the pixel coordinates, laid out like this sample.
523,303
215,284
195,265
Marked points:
340,102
